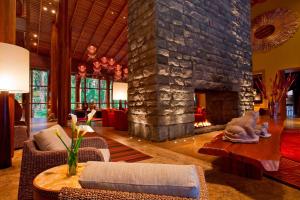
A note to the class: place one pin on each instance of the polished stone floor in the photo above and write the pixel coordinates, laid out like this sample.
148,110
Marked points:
181,151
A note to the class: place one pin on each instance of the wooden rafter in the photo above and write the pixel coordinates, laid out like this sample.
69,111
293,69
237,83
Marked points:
74,10
107,32
121,47
122,58
96,29
124,29
84,25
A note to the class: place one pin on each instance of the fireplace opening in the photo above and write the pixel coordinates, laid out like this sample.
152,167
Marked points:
213,109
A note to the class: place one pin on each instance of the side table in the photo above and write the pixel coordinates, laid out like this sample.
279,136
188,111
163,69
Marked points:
48,184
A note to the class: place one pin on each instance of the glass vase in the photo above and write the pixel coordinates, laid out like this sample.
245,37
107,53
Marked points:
72,163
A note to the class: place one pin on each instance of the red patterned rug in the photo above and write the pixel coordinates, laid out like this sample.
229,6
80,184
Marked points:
121,152
289,168
118,151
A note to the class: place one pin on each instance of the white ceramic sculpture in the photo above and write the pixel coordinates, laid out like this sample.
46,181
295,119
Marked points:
262,130
242,129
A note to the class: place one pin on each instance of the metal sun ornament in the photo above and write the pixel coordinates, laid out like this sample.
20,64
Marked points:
273,28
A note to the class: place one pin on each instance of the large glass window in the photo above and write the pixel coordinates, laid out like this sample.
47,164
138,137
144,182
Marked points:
39,93
91,91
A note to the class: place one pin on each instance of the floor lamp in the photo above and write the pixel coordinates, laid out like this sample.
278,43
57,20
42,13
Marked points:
14,78
120,92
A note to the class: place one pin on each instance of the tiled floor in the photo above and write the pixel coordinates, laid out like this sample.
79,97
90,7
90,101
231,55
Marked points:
181,151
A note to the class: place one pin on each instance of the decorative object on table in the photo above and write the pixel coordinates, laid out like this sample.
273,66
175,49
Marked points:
273,28
14,78
120,92
34,157
262,130
90,117
75,142
280,87
242,129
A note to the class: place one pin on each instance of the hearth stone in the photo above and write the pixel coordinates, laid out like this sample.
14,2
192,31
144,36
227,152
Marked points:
209,129
176,47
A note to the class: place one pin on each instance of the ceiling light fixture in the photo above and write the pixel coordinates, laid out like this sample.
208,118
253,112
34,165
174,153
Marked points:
34,44
112,12
53,11
45,8
35,35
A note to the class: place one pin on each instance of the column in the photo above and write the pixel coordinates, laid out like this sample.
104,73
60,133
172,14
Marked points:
53,70
64,63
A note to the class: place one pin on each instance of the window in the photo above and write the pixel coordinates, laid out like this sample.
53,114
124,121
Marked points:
73,92
91,91
39,93
18,97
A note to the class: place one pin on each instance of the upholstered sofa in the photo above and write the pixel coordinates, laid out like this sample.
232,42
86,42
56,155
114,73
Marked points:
97,194
34,161
21,132
108,117
121,121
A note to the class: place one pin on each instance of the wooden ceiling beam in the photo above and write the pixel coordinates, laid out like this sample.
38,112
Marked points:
122,58
74,10
124,29
96,29
84,26
107,32
120,49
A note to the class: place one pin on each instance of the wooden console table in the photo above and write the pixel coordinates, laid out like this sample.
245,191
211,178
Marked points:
248,160
48,184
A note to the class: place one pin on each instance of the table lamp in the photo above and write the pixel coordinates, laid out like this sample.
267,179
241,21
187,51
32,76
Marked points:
14,78
120,92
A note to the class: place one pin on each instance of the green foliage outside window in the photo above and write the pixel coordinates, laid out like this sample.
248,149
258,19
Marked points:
18,97
39,93
91,91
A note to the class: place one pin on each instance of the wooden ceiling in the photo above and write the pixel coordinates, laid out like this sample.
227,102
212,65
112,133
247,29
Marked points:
102,23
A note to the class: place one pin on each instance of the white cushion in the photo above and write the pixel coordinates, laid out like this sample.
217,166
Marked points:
162,179
47,140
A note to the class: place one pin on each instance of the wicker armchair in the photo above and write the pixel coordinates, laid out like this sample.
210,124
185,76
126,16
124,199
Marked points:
35,161
96,194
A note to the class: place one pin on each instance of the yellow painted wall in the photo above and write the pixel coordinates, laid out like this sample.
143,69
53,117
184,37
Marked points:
283,57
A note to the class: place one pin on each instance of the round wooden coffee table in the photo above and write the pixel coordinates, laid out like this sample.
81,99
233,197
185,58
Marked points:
47,184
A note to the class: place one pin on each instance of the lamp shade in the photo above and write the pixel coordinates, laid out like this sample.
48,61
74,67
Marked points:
120,91
14,68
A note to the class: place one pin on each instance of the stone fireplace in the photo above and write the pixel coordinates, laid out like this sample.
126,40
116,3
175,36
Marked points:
217,107
177,47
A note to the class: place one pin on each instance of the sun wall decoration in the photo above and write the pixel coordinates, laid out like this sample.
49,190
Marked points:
273,28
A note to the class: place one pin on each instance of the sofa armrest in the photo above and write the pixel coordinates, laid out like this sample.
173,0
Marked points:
97,142
94,194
